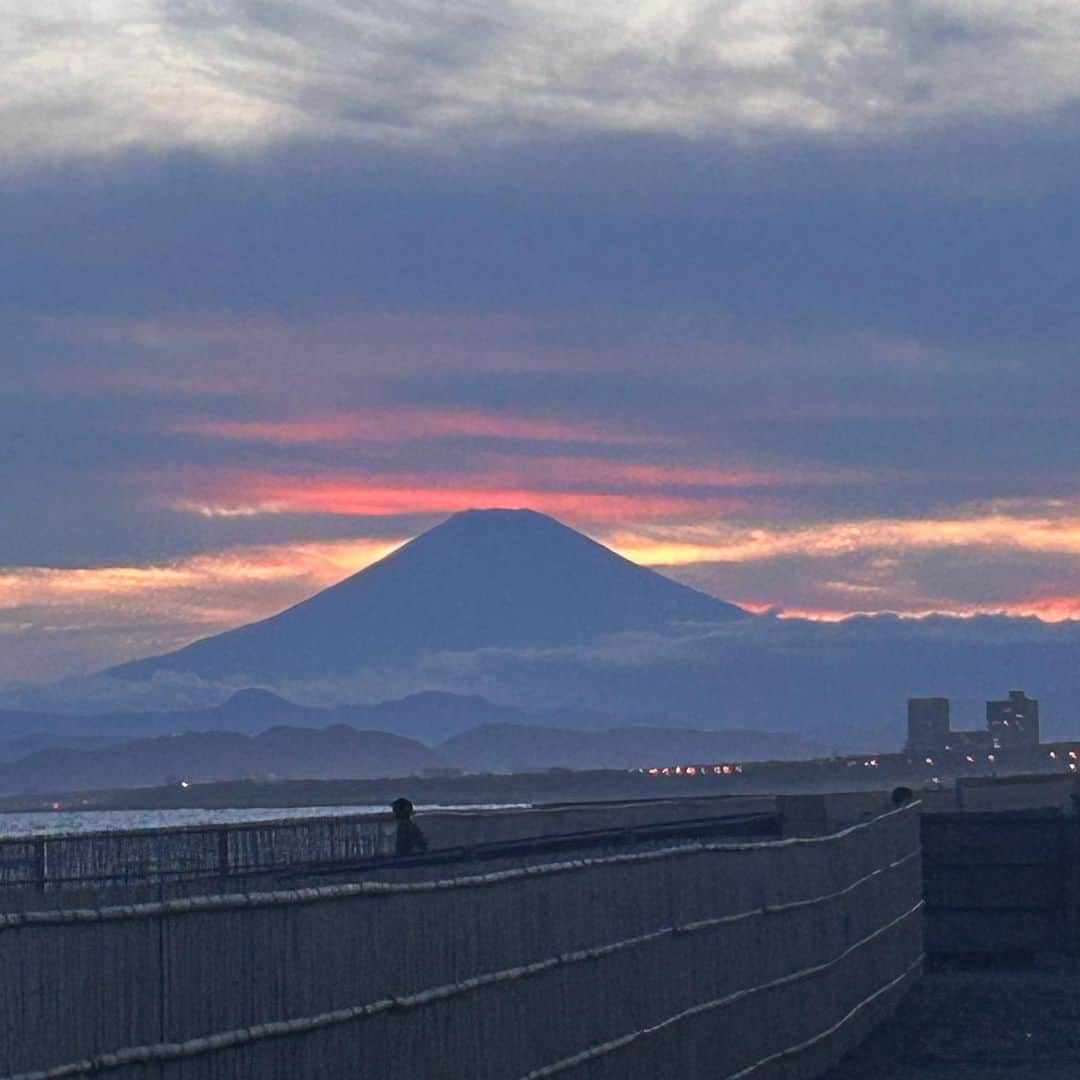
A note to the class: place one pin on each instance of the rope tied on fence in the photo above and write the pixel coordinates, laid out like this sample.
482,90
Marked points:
603,1049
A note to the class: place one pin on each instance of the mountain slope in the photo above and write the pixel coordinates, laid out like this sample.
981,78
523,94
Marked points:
17,747
246,711
483,578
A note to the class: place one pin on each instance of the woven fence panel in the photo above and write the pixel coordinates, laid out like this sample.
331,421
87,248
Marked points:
97,859
75,860
20,862
307,842
490,976
106,856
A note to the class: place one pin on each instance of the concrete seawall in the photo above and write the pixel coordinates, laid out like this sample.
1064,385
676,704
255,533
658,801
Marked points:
1002,883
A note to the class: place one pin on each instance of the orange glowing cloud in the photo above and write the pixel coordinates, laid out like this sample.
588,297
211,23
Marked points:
383,425
260,563
681,545
267,495
208,591
835,570
375,425
586,490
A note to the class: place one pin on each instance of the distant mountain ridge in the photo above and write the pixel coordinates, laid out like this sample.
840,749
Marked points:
256,734
340,751
481,579
430,716
248,711
336,752
17,747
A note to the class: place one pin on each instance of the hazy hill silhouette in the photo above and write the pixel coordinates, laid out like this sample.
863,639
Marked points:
245,711
16,722
336,752
341,751
430,716
483,578
16,747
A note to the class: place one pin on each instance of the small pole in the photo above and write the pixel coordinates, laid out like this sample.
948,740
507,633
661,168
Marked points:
39,863
1070,872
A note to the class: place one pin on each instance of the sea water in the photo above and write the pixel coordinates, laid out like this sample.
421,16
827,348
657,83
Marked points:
45,822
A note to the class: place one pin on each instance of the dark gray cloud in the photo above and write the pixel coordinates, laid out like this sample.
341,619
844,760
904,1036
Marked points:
885,306
805,301
833,250
793,240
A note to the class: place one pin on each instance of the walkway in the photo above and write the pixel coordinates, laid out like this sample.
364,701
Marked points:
977,1025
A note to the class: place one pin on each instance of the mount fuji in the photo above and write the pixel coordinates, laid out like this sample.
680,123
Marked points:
506,579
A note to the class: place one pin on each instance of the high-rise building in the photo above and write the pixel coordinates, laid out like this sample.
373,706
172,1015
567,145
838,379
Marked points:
1015,721
927,724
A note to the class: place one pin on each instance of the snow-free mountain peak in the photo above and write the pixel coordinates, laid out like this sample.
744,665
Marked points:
501,579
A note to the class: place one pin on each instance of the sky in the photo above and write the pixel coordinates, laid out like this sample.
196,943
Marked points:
776,296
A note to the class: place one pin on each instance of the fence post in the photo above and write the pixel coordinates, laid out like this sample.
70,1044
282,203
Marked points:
39,863
1070,873
223,851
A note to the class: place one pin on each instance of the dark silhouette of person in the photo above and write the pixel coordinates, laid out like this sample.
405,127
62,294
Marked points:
902,795
410,837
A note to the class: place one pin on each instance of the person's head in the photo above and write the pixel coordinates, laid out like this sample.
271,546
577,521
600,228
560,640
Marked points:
403,809
902,795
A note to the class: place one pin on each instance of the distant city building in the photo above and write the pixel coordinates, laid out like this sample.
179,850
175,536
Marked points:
927,724
969,741
1015,721
1010,724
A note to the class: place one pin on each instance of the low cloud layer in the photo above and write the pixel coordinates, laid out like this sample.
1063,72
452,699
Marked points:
842,684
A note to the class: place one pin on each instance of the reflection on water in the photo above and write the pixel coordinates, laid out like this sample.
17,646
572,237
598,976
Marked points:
37,823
